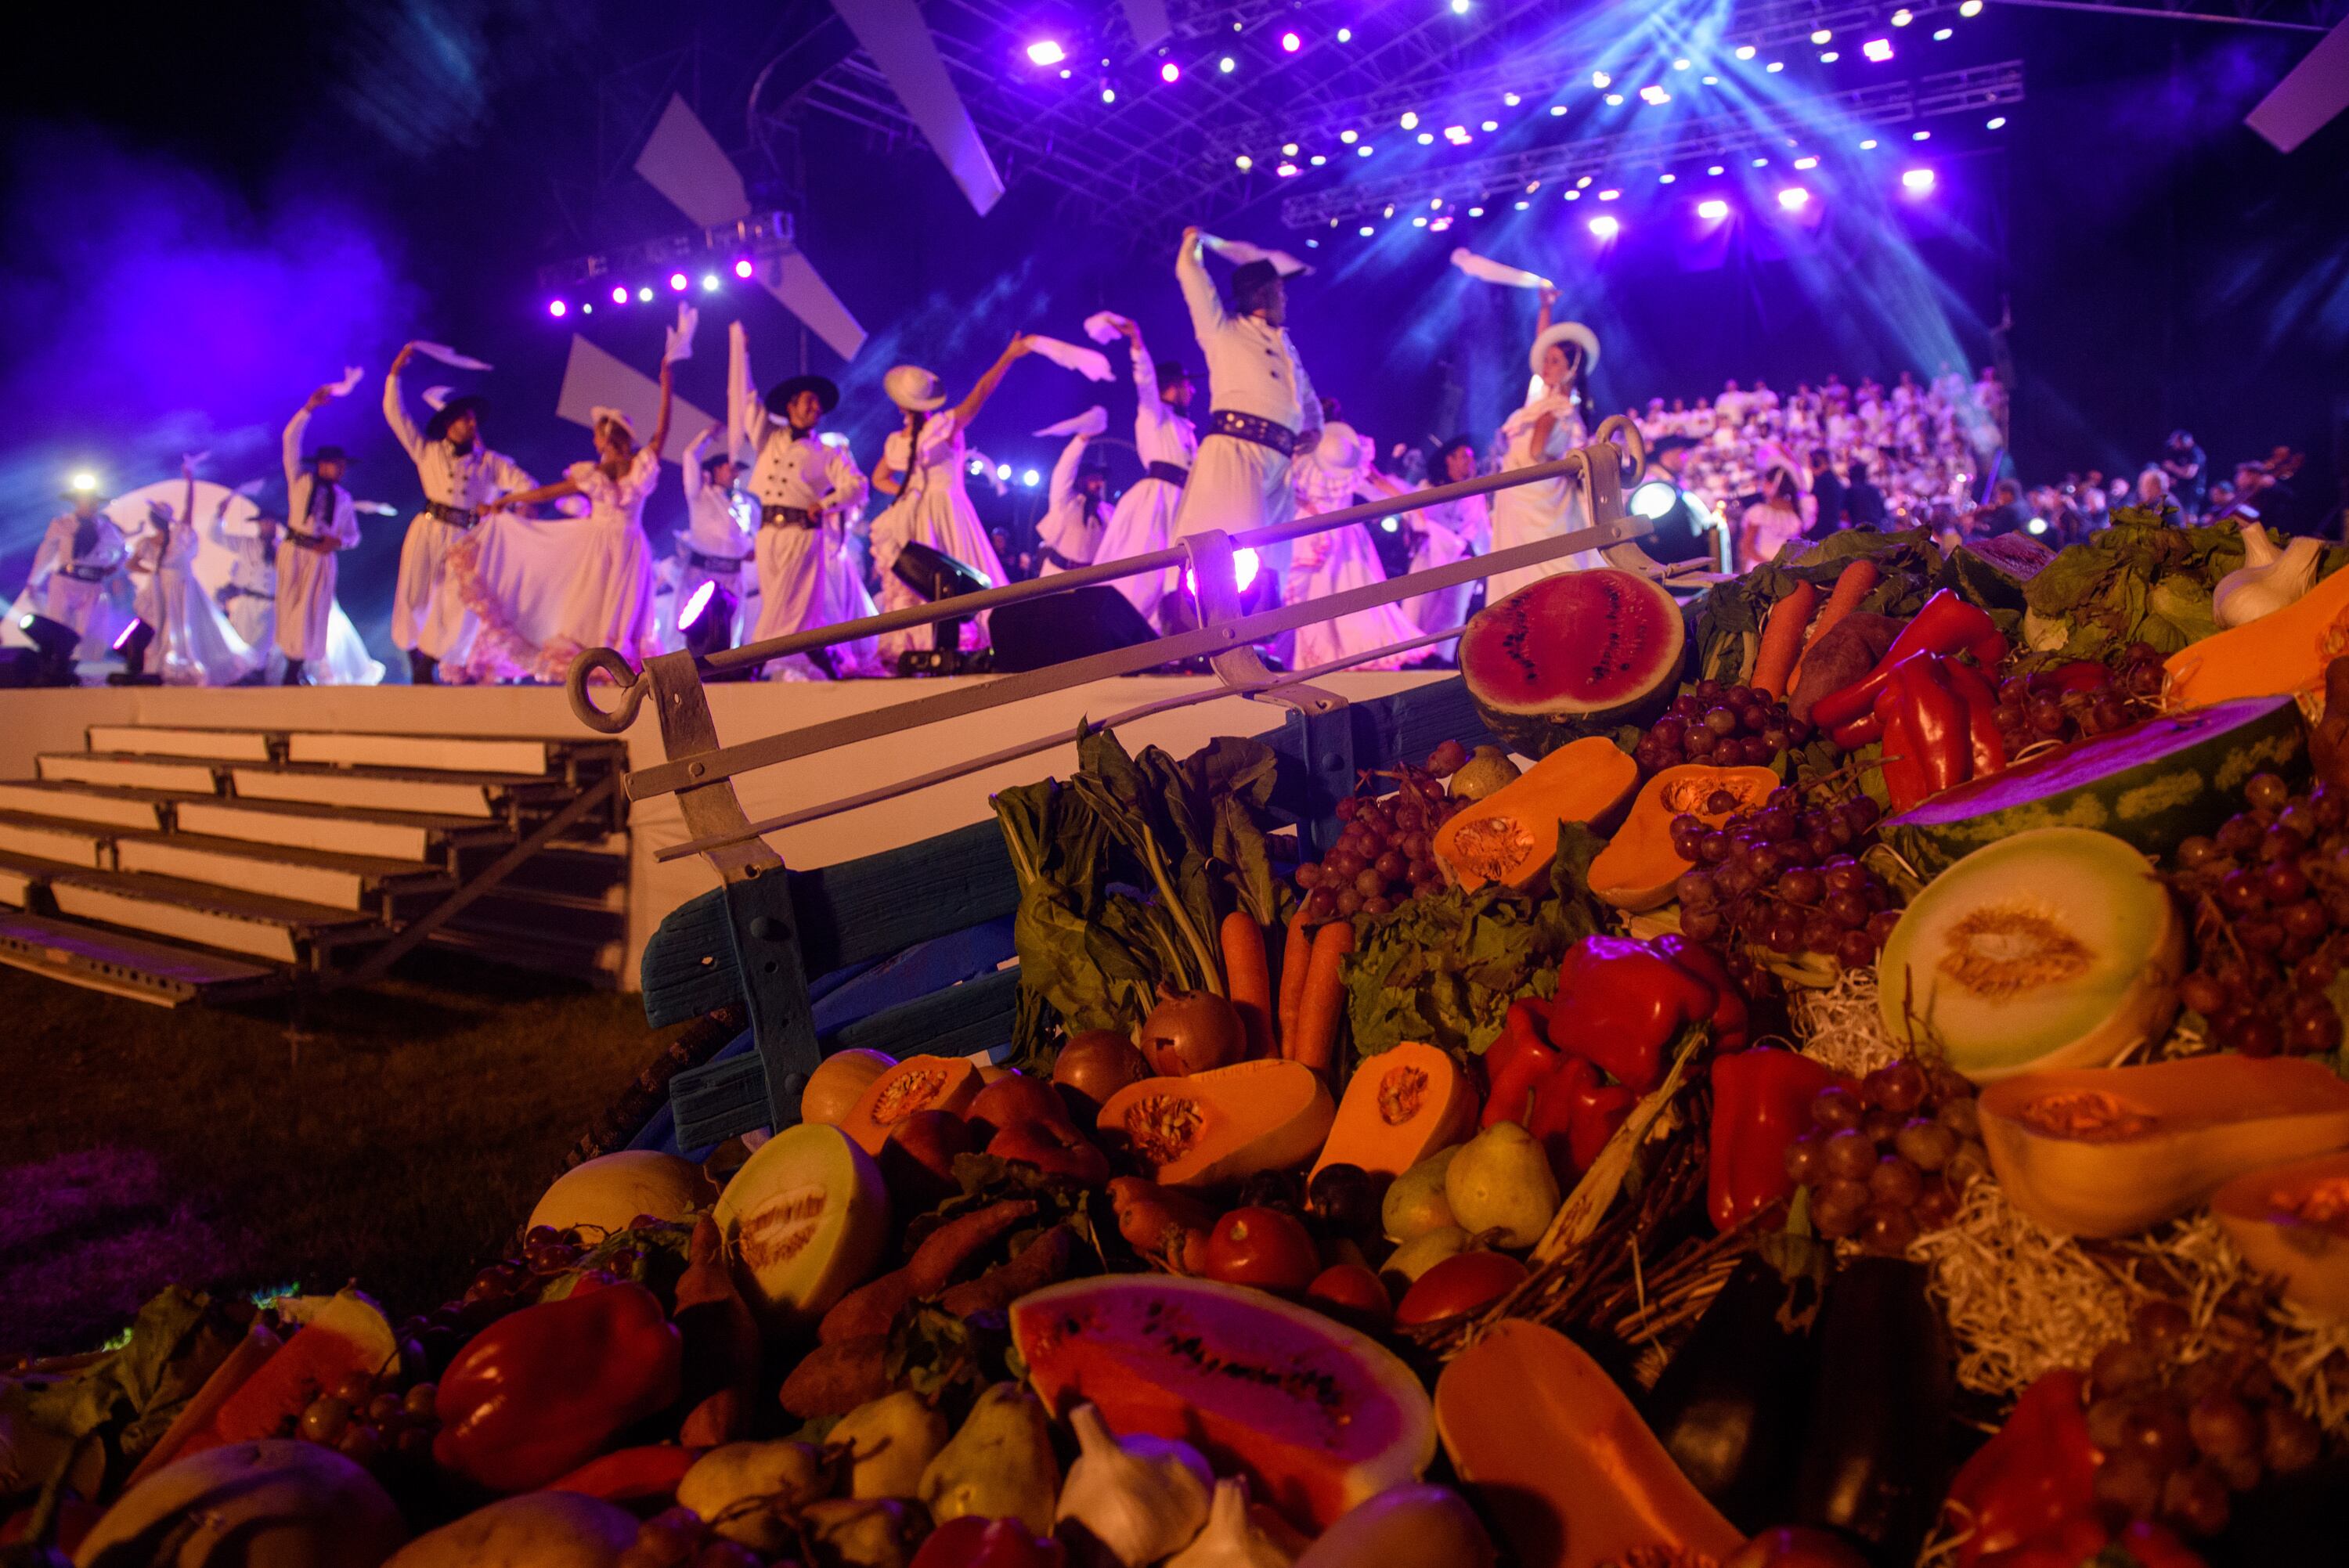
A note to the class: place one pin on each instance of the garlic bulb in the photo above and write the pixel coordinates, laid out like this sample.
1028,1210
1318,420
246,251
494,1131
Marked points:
2268,580
1231,1539
1140,1498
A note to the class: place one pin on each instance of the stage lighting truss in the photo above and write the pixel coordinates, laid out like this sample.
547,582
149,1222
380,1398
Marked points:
760,239
1834,120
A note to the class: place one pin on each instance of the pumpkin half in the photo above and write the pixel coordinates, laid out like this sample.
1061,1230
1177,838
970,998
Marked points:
2282,651
1510,837
1401,1106
1222,1125
1636,869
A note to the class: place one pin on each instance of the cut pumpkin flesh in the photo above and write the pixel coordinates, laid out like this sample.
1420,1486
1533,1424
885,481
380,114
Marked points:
2107,1152
2284,652
1564,1465
1402,1106
1222,1125
1636,869
2292,1220
803,1221
1510,836
917,1083
2054,948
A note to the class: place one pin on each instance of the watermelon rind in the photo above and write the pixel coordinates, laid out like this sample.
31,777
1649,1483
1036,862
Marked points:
1536,724
2152,785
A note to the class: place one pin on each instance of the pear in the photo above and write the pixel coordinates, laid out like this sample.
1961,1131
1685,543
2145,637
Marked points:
1415,1203
1000,1466
1501,1182
889,1442
733,1474
863,1532
1421,1253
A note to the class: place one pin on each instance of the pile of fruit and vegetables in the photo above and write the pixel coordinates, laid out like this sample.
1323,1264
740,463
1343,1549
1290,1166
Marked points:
1853,1077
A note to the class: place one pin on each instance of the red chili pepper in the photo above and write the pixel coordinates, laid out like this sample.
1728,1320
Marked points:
1621,1004
1516,1063
1761,1103
1729,1016
542,1390
1945,624
2079,674
2036,1474
1936,720
1981,698
632,1475
1904,775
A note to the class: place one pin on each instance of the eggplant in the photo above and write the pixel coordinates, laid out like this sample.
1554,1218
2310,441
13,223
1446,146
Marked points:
1730,1407
1876,1457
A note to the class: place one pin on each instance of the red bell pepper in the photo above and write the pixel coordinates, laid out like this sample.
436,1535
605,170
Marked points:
1904,774
542,1390
1574,1113
972,1542
1518,1063
1761,1103
1936,720
1944,624
632,1476
2036,1474
1729,1016
1981,698
1620,1003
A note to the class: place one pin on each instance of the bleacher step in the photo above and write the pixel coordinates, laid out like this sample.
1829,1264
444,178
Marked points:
128,966
283,931
392,835
483,796
523,755
137,809
115,771
156,740
360,883
47,839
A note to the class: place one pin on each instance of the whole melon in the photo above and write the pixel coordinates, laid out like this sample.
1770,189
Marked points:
1576,654
607,1194
532,1529
275,1503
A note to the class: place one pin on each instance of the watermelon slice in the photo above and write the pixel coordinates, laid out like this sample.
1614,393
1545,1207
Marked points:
1317,1416
1576,654
2151,785
340,1333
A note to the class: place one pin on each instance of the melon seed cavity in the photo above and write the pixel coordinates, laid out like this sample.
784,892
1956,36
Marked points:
1163,1126
1999,952
1489,846
2089,1116
779,1230
910,1094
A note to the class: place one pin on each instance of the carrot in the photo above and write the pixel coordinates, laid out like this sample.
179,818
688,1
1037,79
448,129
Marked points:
1852,585
1782,639
1324,1001
1295,957
1249,979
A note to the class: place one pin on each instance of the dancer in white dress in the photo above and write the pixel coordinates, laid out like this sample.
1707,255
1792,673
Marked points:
1071,532
79,559
923,465
321,523
198,647
1332,476
845,596
1142,521
250,596
796,478
1553,422
1445,532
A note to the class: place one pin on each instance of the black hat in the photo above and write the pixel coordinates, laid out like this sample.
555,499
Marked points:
326,455
1172,370
449,413
779,396
721,455
1249,279
1094,461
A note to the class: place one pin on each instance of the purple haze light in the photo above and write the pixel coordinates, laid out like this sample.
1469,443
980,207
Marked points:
742,268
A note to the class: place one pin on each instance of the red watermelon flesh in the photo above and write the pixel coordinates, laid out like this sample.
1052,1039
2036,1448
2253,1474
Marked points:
340,1335
1575,653
1317,1416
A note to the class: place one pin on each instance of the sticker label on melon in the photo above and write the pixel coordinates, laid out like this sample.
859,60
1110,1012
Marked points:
1401,1094
2001,950
780,1229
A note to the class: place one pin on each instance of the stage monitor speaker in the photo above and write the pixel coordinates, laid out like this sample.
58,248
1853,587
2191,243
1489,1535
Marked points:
20,667
1035,632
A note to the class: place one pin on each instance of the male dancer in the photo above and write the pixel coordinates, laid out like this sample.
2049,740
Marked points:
320,520
459,475
80,551
1071,532
249,597
1143,519
1265,407
718,536
796,479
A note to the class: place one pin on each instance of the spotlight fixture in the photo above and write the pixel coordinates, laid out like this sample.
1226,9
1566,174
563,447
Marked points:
1510,100
1713,81
1290,43
1366,231
1522,205
1460,7
1807,163
1427,138
1680,65
619,294
1917,182
1350,137
1475,212
1903,16
1109,95
1970,8
1712,211
1364,151
1744,51
1288,150
83,482
1003,470
709,283
1419,221
1583,183
1244,161
1868,145
707,622
1652,95
1227,65
1761,163
1794,199
1774,66
676,281
1601,79
1996,122
644,294
1170,72
1556,110
1609,195
742,268
1666,178
1823,36
1410,120
1920,135
1944,34
557,309
1716,170
1605,226
1490,126
1345,35
1878,50
1574,195
1046,52
1614,101
1829,57
1285,170
1317,160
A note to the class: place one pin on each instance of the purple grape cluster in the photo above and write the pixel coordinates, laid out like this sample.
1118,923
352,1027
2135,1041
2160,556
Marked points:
1784,877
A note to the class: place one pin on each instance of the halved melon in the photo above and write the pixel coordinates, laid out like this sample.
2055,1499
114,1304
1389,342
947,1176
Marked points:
1576,654
1510,836
2054,948
917,1083
605,1195
805,1220
1317,1416
1222,1125
2292,1220
339,1334
1402,1106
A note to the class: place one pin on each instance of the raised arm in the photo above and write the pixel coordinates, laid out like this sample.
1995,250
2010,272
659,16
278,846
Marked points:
967,409
295,428
539,495
746,416
395,409
693,456
1549,301
1145,370
188,506
659,442
1207,306
1064,471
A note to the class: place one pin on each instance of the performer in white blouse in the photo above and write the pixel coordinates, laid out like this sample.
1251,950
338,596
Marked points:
1333,475
1551,424
1263,407
923,466
1071,532
1445,532
459,475
1142,521
78,559
197,644
320,524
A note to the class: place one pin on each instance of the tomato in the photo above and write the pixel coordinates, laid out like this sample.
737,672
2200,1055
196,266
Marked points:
1466,1281
1268,1248
1351,1294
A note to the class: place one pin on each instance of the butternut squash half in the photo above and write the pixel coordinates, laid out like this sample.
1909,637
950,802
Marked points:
1510,836
1222,1125
2282,651
2292,1220
917,1083
1636,869
1401,1106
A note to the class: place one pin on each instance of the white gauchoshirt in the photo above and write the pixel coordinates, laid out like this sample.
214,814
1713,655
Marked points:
716,522
1252,366
1160,434
329,516
465,481
1072,525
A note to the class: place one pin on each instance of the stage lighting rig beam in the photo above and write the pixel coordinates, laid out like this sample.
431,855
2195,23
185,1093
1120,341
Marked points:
764,237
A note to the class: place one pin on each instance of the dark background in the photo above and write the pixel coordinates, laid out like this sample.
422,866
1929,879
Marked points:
208,211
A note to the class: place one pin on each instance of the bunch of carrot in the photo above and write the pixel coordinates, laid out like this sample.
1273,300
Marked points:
1779,661
1312,987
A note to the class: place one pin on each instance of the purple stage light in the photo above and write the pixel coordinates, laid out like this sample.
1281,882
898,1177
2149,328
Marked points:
1917,182
1794,198
676,281
619,294
1712,211
1922,136
1291,42
1822,36
1170,72
1046,52
1996,122
709,283
557,309
1878,50
1605,226
742,268
1227,65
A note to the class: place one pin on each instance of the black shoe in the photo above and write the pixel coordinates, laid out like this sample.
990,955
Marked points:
292,676
420,667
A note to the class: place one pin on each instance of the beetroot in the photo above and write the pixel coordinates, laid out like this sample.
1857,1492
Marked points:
1576,654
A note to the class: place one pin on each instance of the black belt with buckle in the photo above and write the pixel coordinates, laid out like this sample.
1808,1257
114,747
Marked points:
720,564
1055,558
788,516
87,573
239,590
454,516
317,542
1253,427
1173,473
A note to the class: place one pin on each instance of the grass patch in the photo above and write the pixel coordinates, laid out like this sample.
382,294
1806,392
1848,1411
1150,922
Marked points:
397,1144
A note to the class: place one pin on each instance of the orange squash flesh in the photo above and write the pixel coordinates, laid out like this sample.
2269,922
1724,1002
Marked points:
2283,651
1402,1106
2107,1152
917,1083
1511,836
2292,1220
1222,1125
1636,869
1567,1467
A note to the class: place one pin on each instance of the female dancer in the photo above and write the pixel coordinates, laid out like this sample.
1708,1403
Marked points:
1554,421
1775,519
1445,532
1329,477
923,466
199,645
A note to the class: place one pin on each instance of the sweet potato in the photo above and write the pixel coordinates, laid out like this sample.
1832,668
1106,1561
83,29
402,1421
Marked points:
721,1344
1160,1223
833,1380
1040,1263
1839,656
871,1308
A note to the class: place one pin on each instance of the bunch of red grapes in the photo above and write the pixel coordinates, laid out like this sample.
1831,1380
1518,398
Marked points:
372,1421
1785,876
2270,897
2077,701
1721,726
1891,1161
1385,854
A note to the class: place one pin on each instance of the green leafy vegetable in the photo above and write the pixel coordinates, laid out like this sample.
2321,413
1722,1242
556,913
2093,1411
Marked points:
1729,617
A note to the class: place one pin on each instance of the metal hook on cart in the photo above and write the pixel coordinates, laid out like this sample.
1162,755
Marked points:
635,685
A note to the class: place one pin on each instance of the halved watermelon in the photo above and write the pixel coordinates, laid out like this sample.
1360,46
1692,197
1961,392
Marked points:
339,1334
1317,1416
1576,654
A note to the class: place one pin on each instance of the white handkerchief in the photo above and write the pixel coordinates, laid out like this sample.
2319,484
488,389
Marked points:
352,374
436,397
1091,422
1089,363
680,336
1241,252
1493,271
449,357
1104,327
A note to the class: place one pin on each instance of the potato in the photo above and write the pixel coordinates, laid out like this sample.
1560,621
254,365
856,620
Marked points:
271,1504
534,1530
1844,652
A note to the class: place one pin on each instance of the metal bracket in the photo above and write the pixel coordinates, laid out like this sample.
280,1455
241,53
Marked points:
1215,579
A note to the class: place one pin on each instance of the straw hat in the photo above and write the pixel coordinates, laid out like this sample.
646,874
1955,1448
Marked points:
914,389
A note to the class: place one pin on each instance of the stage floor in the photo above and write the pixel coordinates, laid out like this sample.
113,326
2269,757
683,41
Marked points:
35,721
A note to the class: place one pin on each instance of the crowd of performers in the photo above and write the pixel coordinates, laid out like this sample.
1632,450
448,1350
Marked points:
502,577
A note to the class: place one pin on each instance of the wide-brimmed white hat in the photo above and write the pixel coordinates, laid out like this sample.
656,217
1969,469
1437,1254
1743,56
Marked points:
1572,332
600,415
913,389
1341,446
